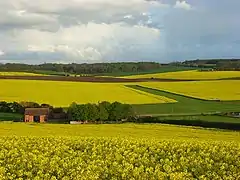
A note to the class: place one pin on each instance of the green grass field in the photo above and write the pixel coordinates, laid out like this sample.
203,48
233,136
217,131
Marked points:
185,105
10,117
162,69
204,118
55,73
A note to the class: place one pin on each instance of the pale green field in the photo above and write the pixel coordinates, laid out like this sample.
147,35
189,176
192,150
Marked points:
221,89
19,74
59,93
193,74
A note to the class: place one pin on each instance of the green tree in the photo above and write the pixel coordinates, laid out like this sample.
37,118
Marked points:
16,108
83,112
116,111
4,107
103,113
29,104
128,112
92,112
107,105
121,111
73,112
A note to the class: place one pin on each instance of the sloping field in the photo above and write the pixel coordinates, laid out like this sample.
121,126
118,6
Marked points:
192,74
136,131
209,90
19,74
162,69
64,93
127,151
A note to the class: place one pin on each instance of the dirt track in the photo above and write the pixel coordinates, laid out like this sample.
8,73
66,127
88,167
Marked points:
88,79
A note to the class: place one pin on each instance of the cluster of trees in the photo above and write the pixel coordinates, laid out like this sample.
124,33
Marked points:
104,68
103,111
12,107
217,64
73,68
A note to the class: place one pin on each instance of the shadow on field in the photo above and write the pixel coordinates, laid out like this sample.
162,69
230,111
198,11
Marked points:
200,123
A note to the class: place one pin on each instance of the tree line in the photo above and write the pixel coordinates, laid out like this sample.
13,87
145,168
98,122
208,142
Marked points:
216,64
103,111
96,68
119,67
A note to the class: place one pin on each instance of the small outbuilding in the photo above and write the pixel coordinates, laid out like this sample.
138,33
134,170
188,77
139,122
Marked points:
36,115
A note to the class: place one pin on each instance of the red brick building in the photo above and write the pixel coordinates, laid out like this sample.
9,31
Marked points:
36,115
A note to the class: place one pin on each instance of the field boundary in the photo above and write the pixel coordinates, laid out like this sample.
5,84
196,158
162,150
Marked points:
179,114
184,104
104,79
174,93
88,79
182,95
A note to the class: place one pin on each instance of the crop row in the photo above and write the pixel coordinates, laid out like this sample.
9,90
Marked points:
116,158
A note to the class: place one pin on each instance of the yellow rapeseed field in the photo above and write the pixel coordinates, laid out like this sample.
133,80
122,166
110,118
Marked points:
223,90
114,151
193,74
126,131
64,93
19,74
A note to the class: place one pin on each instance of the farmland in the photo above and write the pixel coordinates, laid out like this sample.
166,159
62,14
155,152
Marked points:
184,105
191,75
127,131
162,69
208,90
64,93
10,116
123,151
19,74
117,152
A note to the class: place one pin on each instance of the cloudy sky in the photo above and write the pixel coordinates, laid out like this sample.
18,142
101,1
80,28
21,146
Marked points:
90,31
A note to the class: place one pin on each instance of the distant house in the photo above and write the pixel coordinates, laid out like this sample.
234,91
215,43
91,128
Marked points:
36,115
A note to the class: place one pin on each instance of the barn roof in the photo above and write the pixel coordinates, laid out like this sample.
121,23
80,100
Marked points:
36,111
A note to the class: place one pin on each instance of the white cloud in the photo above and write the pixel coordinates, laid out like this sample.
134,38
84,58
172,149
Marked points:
183,5
128,16
94,42
84,30
1,53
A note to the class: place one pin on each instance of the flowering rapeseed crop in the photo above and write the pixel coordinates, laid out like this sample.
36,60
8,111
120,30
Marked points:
59,93
127,151
193,74
221,89
19,74
116,158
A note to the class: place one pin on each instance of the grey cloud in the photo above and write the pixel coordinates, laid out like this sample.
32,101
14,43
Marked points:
67,13
209,30
203,32
20,19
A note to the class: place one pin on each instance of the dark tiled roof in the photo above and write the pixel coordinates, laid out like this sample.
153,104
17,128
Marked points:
36,111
